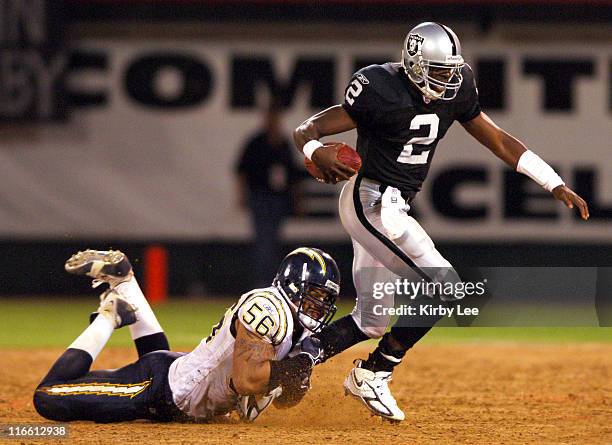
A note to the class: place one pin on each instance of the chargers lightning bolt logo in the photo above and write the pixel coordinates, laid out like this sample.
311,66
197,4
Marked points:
314,255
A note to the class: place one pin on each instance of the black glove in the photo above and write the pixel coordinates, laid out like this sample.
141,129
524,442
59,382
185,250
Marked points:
294,389
293,373
311,346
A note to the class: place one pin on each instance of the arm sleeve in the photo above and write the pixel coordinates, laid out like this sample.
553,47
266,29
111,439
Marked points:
469,107
361,100
262,315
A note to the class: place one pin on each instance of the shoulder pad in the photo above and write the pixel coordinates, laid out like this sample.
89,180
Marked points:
264,314
372,74
382,79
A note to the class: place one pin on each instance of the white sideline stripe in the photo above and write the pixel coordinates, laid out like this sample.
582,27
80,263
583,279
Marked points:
97,389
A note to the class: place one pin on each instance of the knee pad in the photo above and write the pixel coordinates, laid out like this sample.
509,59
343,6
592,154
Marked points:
415,241
374,326
449,275
44,405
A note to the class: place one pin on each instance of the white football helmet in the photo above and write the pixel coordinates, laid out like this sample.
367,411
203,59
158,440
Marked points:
432,59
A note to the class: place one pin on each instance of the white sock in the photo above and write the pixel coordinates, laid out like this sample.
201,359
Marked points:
147,323
94,338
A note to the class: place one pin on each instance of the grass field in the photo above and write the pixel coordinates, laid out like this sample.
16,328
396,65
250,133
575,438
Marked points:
31,322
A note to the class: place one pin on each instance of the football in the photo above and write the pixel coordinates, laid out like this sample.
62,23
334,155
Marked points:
344,153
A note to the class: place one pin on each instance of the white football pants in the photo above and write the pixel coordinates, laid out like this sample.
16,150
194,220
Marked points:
379,257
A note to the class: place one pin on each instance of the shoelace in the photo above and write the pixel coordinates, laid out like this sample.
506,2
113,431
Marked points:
101,280
383,384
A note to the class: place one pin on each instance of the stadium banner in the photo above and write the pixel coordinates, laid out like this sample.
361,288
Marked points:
157,125
32,61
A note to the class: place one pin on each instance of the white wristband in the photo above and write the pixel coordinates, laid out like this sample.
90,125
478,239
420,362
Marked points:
310,147
532,165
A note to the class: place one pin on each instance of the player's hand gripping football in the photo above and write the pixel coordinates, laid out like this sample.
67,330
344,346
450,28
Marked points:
332,169
571,199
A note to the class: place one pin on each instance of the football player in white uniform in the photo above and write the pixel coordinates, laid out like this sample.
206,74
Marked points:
252,357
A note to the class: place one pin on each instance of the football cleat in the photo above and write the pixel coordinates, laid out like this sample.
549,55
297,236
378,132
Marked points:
103,296
117,310
372,388
104,266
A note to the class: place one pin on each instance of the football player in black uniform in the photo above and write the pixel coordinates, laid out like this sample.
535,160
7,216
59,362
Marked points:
401,111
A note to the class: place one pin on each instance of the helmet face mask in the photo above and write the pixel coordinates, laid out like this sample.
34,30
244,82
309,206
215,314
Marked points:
315,307
310,279
431,58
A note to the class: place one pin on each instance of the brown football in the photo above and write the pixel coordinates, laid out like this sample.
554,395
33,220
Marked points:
344,153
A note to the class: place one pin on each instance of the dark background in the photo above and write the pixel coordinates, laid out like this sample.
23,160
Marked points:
35,266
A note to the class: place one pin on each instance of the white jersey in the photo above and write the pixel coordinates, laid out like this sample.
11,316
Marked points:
200,380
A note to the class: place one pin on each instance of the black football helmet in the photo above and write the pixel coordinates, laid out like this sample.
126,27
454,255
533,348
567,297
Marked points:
310,279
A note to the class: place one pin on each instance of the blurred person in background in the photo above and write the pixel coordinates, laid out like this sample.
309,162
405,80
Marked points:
267,179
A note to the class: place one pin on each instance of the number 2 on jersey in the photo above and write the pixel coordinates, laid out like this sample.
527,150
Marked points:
406,156
354,90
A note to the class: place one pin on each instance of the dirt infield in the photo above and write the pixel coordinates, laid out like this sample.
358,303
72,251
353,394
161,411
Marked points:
468,393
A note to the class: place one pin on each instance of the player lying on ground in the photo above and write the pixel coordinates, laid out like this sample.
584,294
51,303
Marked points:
239,366
401,111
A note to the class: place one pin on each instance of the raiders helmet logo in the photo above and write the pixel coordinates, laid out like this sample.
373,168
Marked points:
363,79
414,44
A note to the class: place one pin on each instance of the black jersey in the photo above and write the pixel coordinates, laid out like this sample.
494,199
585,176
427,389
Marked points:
398,131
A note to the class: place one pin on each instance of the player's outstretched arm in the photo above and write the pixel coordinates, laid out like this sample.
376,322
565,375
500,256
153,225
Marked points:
255,371
251,364
333,120
514,153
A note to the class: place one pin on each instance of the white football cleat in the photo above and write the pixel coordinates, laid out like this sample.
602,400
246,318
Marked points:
372,388
104,266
